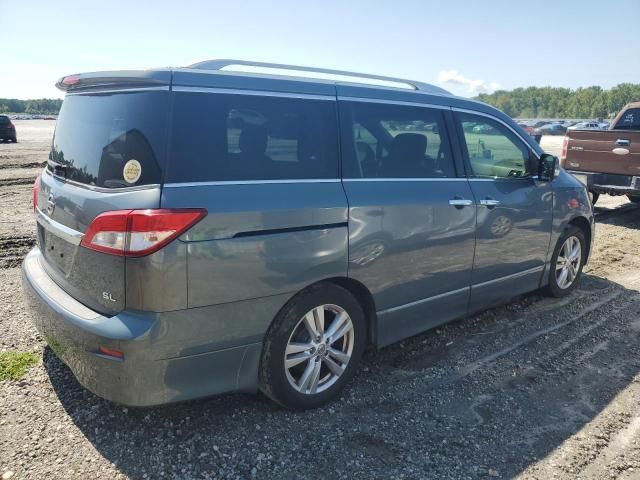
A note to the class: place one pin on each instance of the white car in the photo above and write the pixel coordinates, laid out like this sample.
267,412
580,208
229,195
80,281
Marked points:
585,126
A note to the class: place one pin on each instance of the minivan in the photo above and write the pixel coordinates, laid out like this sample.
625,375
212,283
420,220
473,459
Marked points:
204,230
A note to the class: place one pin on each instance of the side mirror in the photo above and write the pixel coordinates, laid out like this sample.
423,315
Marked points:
548,167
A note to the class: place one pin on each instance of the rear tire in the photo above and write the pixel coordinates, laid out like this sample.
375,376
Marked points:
300,369
567,262
634,198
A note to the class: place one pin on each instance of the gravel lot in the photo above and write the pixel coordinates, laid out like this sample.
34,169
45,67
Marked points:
539,388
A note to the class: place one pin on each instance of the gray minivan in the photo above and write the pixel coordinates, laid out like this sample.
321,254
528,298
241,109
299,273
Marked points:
202,230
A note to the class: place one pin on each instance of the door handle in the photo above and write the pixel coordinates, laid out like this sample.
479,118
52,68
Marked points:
460,202
489,202
623,142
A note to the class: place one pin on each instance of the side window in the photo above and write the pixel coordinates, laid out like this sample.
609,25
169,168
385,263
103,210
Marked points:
394,141
222,137
493,150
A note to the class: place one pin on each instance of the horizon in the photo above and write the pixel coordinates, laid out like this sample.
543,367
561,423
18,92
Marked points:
475,96
498,45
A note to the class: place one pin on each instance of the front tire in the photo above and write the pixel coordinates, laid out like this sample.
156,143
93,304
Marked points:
567,262
313,347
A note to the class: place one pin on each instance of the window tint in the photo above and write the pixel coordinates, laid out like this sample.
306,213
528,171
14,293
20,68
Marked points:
394,141
219,137
493,149
630,120
112,140
4,120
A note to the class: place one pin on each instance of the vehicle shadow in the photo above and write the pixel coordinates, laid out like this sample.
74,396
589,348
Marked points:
627,215
487,395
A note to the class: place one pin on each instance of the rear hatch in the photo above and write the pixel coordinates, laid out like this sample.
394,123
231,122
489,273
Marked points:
108,153
5,123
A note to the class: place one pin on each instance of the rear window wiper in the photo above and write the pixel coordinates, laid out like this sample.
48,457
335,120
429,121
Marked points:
57,169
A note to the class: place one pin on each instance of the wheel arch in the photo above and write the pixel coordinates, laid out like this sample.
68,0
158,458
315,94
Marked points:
365,299
585,226
362,295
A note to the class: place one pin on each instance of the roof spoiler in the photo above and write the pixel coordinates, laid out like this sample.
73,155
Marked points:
222,63
115,79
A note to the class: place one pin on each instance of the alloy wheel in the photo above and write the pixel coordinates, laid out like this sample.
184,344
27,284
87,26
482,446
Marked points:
568,262
319,349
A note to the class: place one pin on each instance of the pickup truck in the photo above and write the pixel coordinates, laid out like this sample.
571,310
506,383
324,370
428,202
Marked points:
607,161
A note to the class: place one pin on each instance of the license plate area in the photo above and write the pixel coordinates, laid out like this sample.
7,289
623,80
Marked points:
56,251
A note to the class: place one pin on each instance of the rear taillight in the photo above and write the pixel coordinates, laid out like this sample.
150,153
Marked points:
565,144
36,190
135,233
71,80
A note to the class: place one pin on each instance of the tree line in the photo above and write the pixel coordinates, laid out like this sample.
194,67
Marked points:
551,102
40,106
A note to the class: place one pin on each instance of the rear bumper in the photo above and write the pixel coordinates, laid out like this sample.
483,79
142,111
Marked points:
609,183
7,133
75,332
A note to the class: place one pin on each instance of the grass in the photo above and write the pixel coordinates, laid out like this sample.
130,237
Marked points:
13,365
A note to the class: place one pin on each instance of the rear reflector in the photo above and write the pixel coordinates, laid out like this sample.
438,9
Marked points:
110,352
565,144
36,190
135,233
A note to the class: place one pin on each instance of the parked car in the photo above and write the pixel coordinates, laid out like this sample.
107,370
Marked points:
530,130
585,126
607,161
551,129
7,130
201,231
526,127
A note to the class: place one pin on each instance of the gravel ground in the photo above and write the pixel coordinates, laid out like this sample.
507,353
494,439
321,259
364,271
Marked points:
539,388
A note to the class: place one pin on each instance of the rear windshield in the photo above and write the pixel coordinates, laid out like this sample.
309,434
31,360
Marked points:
4,120
112,140
630,120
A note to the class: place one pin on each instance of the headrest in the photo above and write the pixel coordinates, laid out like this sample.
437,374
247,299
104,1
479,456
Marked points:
253,139
409,146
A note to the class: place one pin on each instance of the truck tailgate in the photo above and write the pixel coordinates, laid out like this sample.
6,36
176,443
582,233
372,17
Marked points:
607,151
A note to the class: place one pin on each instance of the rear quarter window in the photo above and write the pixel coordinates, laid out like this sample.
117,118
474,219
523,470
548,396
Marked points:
229,137
4,120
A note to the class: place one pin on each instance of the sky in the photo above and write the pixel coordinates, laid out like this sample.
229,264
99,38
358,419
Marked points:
464,46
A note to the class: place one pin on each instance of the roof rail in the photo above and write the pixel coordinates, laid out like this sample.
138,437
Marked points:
220,64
